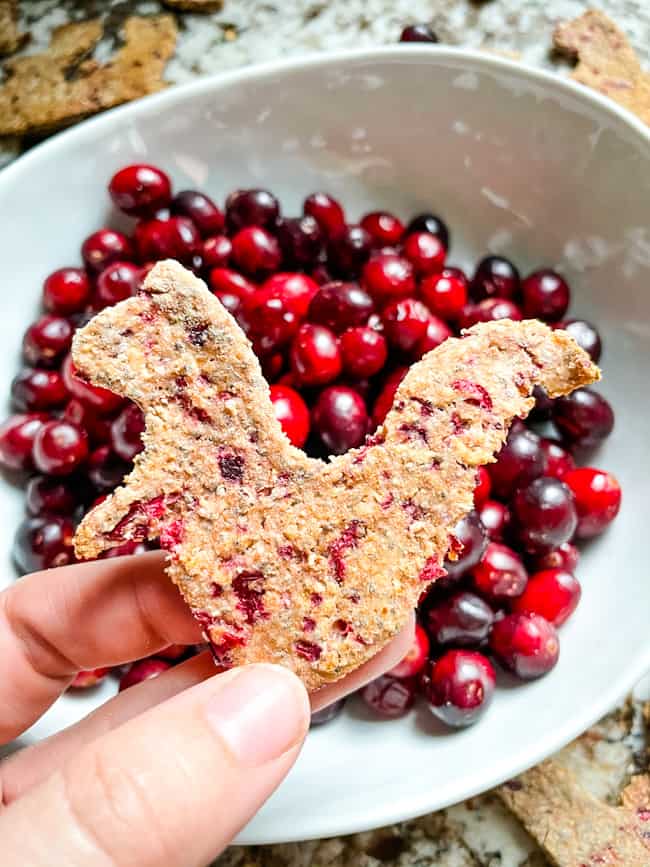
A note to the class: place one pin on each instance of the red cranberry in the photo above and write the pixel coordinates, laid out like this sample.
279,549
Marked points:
349,250
597,497
544,513
584,417
435,333
432,224
272,321
216,251
444,294
520,460
43,542
86,679
100,400
97,427
405,323
340,418
553,594
565,557
59,448
425,252
585,335
460,687
543,407
327,212
119,281
495,277
525,644
388,696
233,304
463,619
175,238
495,517
321,274
272,367
363,351
36,389
66,291
139,190
315,355
301,240
126,432
385,229
105,246
47,340
200,209
291,411
143,669
340,305
500,575
295,289
251,208
232,282
416,656
468,542
49,496
418,33
489,310
105,470
545,295
255,251
558,461
483,487
385,398
126,549
328,713
17,436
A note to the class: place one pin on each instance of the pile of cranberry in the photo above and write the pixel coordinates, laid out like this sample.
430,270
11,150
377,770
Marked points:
336,312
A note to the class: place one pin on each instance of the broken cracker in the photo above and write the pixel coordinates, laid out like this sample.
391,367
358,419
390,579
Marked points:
281,557
49,90
11,39
606,60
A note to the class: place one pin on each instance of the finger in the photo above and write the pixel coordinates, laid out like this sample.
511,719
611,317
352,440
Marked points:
172,786
57,622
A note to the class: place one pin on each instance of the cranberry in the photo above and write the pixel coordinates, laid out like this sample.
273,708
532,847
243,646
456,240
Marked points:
525,644
340,305
43,542
232,282
100,400
558,461
17,436
416,656
327,212
295,289
175,238
98,428
301,240
126,432
425,252
363,351
340,418
251,208
216,251
36,389
444,294
431,224
233,304
126,549
47,340
143,669
321,274
59,448
388,696
495,517
103,247
468,542
418,33
584,417
315,355
435,333
585,335
489,310
291,411
139,190
565,557
460,687
328,713
405,323
200,209
463,619
255,251
544,514
349,250
272,321
495,277
553,594
86,679
50,496
272,367
543,408
520,460
483,487
66,291
597,497
119,281
385,229
545,295
500,575
385,398
105,470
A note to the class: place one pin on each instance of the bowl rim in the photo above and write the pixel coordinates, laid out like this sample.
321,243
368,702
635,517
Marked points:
420,802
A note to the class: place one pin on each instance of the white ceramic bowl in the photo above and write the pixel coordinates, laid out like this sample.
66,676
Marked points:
517,162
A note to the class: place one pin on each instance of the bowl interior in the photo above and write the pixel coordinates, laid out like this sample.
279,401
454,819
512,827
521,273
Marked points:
516,163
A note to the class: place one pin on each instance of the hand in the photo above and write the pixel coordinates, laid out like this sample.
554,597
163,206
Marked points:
166,773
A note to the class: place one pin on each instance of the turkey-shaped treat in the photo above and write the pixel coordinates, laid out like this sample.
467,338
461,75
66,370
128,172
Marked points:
284,558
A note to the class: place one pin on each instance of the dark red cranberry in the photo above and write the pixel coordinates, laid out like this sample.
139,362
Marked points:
425,252
553,594
100,400
272,367
126,432
340,305
597,497
444,295
495,277
388,696
384,228
385,398
327,713
66,291
490,310
90,678
233,304
585,335
119,281
106,246
584,417
59,448
301,240
175,238
321,274
126,549
418,33
463,619
36,389
251,208
315,356
201,210
460,686
432,224
139,190
50,496
226,280
565,557
256,251
47,340
435,333
295,289
272,321
405,322
500,575
17,436
558,460
543,408
97,427
340,418
525,644
143,669
545,295
105,470
483,487
520,460
468,542
544,514
43,542
363,351
416,656
348,251
495,517
327,212
216,251
291,411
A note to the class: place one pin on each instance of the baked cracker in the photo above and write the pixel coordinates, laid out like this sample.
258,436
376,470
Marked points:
11,39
